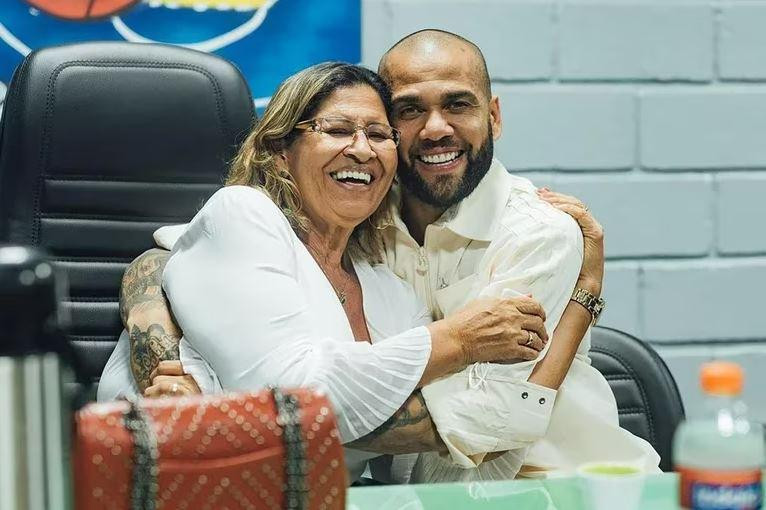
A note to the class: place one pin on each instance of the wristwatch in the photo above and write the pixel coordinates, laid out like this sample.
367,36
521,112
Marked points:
595,305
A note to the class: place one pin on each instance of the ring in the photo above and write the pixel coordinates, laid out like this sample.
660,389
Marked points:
174,388
530,340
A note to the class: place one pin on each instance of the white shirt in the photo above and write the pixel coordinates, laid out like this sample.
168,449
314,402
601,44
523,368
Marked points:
256,309
502,240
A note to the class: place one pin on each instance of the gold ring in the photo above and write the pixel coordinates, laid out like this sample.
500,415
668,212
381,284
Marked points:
530,340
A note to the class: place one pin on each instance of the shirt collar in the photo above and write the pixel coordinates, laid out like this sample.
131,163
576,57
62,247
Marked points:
476,216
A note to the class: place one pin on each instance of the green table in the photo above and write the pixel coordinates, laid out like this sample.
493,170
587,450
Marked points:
660,493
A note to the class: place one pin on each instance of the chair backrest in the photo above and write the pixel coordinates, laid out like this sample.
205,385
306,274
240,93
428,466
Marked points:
647,397
101,144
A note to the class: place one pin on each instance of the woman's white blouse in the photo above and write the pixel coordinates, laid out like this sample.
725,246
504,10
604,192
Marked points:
257,308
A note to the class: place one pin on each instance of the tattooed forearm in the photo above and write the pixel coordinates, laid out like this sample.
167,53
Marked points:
145,313
142,281
409,430
147,349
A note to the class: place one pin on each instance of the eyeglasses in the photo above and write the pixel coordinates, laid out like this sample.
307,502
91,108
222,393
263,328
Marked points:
379,135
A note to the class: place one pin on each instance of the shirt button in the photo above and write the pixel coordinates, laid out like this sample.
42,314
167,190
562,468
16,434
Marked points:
524,395
542,400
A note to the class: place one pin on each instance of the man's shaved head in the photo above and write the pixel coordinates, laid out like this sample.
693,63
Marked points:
431,39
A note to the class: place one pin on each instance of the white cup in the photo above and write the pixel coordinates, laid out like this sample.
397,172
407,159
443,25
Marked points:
611,485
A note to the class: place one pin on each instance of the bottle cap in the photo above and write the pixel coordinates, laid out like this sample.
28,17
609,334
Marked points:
722,378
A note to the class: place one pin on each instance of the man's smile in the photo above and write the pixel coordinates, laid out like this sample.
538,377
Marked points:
437,159
441,163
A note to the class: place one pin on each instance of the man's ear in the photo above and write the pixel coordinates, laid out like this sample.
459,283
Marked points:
495,119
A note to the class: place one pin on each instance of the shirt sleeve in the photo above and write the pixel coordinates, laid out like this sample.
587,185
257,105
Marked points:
492,407
232,284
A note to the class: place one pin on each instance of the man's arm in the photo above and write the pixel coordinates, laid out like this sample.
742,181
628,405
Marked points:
409,430
145,313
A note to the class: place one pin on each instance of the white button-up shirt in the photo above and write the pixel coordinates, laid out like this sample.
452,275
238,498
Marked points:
502,240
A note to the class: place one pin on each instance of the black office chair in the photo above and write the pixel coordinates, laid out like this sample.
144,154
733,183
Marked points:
101,144
647,397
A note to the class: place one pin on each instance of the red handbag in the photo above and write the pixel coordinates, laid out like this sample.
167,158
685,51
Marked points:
274,449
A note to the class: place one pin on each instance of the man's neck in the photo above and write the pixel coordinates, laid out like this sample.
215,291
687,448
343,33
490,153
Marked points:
417,215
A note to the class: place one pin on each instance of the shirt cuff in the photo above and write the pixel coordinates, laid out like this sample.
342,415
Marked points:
487,408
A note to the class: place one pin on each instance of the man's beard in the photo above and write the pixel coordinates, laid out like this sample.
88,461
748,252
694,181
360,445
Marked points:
445,190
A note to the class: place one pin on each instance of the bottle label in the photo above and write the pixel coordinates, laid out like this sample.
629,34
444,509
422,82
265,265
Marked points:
710,489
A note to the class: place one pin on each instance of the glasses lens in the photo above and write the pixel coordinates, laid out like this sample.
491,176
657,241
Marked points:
345,129
338,128
379,132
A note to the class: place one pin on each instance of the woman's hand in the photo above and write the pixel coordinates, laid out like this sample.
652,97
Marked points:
170,380
495,329
592,271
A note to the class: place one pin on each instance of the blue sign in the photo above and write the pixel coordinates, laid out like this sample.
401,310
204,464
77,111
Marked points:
267,39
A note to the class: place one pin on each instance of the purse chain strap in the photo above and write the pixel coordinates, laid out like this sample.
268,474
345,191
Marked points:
143,493
289,418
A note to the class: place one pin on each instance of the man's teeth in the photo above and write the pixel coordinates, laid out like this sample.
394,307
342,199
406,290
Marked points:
347,174
439,158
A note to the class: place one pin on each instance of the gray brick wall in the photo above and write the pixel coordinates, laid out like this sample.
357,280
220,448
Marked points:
654,113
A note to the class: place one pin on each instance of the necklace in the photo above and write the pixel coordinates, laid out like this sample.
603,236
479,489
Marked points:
340,293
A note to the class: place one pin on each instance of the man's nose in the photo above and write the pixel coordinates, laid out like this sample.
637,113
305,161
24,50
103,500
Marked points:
360,149
436,127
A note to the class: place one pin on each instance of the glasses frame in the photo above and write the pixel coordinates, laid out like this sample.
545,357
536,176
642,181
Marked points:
315,125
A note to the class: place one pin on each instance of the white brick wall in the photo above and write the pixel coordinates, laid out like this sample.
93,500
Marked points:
742,41
563,127
712,127
654,113
640,41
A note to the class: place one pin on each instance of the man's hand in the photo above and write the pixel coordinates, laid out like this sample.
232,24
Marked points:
170,380
409,430
145,313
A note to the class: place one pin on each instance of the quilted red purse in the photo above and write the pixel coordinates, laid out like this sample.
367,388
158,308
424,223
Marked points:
274,449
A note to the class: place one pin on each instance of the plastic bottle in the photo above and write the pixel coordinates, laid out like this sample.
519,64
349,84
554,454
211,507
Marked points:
719,457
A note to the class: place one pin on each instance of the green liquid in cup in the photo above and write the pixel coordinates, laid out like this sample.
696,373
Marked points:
612,470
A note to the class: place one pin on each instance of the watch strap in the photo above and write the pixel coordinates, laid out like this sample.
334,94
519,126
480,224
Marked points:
594,305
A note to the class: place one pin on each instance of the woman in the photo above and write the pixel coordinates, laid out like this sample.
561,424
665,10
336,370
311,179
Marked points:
275,277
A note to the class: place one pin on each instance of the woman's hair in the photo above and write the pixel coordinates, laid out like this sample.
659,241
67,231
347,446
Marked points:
298,98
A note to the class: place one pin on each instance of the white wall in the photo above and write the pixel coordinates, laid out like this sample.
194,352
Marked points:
653,113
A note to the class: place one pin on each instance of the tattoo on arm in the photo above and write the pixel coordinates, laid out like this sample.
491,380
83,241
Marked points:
409,430
142,281
147,349
145,313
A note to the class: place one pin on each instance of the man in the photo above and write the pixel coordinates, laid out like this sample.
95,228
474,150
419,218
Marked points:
463,228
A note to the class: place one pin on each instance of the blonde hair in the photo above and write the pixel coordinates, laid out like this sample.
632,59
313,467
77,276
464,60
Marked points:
296,99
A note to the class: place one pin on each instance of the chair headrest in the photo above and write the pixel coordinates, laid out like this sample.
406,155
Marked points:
116,111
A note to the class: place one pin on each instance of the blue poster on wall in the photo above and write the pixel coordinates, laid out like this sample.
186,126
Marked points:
267,39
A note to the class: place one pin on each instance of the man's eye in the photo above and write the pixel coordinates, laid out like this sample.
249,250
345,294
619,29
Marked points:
408,112
459,106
